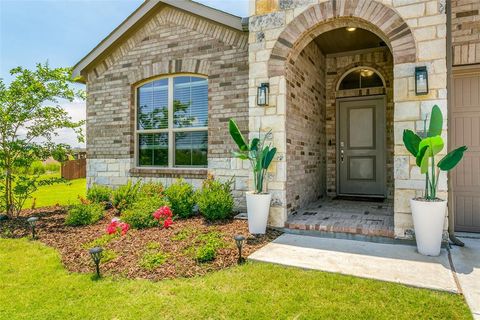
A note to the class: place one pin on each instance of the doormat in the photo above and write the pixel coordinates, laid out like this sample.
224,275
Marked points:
356,198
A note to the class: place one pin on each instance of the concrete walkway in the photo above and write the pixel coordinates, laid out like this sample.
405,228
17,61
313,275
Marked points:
388,262
466,261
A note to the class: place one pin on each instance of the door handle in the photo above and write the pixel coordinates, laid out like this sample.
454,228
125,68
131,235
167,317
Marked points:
341,155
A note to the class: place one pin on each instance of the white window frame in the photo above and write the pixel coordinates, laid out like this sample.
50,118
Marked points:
170,129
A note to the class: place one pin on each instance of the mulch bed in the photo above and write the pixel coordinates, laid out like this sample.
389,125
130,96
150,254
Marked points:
176,242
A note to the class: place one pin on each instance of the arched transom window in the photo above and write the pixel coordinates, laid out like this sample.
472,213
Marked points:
172,122
360,78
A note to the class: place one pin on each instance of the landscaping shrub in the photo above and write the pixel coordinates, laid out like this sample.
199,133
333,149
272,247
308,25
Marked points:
125,196
84,214
215,200
99,194
181,196
153,259
140,214
208,244
53,167
151,189
37,167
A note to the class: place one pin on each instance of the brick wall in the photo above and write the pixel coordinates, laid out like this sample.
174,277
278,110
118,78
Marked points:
171,41
466,31
305,130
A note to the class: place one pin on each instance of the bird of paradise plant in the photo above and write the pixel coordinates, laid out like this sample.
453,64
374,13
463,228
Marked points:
425,149
259,154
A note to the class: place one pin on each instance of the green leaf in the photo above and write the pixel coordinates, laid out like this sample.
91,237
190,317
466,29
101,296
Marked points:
436,122
254,144
420,158
237,135
240,155
452,159
411,141
268,158
435,145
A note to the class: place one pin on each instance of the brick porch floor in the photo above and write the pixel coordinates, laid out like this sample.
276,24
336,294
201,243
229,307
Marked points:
346,216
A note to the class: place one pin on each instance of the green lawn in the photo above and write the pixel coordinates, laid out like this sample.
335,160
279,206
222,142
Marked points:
34,285
62,193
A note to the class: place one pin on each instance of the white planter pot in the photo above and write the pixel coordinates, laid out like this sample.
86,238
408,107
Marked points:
428,220
258,207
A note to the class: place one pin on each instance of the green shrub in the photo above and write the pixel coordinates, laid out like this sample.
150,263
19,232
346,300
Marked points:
151,189
53,167
139,215
99,194
181,196
84,214
101,241
37,167
153,259
215,200
108,255
208,245
125,196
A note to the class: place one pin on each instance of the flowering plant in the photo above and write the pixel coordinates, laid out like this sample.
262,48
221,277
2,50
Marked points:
118,227
164,216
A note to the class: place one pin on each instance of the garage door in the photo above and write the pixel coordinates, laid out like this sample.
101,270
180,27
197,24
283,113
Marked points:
465,127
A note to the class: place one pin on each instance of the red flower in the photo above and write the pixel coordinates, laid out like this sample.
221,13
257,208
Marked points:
118,227
167,223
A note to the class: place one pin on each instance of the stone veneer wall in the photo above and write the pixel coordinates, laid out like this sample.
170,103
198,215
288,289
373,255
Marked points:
466,31
305,132
415,31
170,41
339,64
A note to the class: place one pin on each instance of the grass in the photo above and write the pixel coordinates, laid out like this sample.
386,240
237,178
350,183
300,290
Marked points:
62,193
34,285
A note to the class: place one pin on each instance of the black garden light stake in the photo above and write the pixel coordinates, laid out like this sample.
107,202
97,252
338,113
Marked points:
239,240
32,221
96,254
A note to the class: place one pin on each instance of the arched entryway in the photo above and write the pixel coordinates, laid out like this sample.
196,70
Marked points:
311,58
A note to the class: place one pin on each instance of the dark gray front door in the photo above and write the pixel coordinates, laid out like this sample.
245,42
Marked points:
361,147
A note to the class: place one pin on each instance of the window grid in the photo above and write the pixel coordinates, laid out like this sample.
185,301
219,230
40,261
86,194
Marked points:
171,130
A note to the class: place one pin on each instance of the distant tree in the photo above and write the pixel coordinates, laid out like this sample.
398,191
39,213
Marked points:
30,116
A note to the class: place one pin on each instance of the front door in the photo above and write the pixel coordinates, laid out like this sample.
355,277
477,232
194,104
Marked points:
361,147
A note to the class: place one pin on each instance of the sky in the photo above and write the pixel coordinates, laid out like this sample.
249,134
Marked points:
64,31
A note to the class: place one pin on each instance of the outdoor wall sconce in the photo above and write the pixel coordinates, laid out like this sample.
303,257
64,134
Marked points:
96,254
32,221
239,240
421,81
262,94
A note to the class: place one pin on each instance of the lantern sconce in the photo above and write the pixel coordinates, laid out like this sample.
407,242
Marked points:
262,94
421,81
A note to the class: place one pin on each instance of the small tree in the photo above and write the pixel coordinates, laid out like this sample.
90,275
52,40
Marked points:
29,118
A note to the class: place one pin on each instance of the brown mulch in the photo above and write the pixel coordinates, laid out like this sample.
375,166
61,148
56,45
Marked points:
129,249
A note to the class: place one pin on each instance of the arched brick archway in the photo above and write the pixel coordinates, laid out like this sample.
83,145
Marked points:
317,19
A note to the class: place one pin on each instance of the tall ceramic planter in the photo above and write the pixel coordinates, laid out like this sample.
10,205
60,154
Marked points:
428,221
258,207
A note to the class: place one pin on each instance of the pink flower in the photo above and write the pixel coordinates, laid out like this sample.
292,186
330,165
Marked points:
125,227
118,227
167,223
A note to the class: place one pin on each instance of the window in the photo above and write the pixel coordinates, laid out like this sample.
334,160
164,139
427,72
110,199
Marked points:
361,78
172,122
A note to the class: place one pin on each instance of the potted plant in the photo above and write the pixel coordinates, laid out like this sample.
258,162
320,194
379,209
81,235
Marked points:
260,157
429,211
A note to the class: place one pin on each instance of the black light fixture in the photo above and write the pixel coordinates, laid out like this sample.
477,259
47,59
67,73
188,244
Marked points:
32,221
421,81
96,254
262,94
239,240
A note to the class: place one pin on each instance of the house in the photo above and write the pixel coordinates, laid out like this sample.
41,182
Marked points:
344,79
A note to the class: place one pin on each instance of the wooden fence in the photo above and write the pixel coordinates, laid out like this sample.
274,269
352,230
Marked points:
74,169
